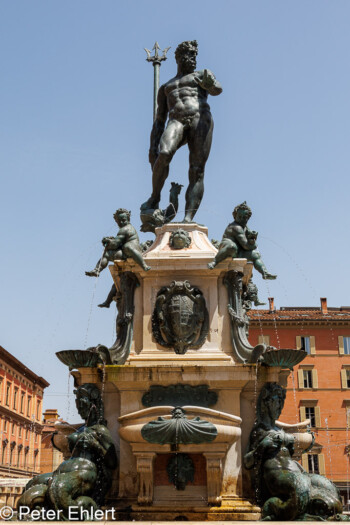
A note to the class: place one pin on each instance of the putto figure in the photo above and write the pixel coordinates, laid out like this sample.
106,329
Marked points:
125,244
184,98
239,241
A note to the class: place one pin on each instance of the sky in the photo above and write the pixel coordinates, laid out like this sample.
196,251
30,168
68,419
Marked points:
75,118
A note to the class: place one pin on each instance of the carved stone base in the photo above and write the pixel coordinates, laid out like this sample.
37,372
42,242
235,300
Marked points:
127,387
243,511
158,301
209,380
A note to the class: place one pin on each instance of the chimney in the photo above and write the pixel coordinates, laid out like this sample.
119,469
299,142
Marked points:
271,304
50,414
324,308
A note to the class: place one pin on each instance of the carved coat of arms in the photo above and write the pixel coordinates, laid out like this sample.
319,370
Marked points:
180,318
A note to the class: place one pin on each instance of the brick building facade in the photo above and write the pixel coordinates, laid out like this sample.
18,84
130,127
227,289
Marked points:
319,387
51,457
21,400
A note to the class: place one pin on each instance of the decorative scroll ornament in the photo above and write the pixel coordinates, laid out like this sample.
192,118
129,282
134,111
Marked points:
124,290
180,319
179,430
244,352
126,284
179,395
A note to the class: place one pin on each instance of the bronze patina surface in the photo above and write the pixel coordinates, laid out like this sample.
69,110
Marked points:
183,102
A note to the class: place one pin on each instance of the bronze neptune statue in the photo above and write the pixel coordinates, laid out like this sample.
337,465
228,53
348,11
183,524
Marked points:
184,100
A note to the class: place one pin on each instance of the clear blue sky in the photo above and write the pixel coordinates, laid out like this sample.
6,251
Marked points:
76,113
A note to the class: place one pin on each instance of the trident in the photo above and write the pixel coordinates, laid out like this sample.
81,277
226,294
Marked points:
156,59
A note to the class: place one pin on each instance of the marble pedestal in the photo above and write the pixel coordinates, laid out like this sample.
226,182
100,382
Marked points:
221,488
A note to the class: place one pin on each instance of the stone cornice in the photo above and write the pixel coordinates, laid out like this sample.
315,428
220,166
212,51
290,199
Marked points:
22,369
14,416
257,322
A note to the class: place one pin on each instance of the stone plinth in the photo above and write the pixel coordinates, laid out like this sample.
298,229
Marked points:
187,264
223,492
206,381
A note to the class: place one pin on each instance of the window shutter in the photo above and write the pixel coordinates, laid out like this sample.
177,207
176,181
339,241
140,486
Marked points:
300,378
302,414
341,344
314,379
298,342
264,340
343,378
321,464
318,416
312,345
304,462
348,417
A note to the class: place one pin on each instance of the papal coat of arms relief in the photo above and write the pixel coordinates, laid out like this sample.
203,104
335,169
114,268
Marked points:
180,318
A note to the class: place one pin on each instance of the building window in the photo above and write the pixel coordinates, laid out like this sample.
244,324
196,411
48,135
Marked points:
307,377
264,340
8,393
344,344
15,394
12,447
1,383
26,450
13,428
38,410
22,402
5,425
348,416
310,414
4,449
27,434
307,343
313,463
345,377
28,405
36,451
19,455
20,431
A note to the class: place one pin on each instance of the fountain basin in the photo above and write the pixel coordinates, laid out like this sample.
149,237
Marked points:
228,426
284,357
79,358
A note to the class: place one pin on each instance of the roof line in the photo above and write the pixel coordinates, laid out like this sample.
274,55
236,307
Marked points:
11,359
